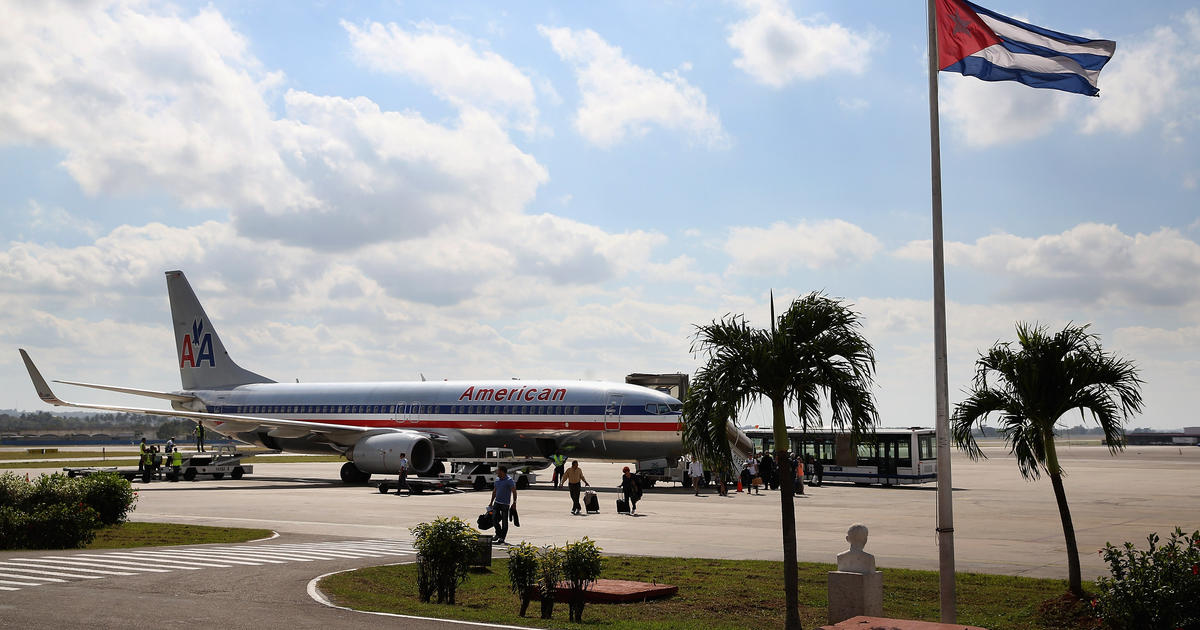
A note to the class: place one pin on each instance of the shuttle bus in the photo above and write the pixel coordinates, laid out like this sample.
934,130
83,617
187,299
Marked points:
889,457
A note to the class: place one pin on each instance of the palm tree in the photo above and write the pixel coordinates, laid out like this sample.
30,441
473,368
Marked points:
814,348
1034,384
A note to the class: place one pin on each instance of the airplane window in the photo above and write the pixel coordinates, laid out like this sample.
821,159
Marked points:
575,410
664,409
651,408
676,407
524,409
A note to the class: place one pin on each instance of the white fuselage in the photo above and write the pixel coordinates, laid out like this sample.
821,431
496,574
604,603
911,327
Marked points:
535,418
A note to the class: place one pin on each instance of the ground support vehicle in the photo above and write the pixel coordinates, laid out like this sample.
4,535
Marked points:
481,472
226,460
419,485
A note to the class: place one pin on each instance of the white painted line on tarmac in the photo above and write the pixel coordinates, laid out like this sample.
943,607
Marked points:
320,598
87,562
173,559
21,569
26,577
15,583
187,566
225,556
52,564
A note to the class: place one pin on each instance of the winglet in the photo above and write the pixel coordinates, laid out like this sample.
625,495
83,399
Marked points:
43,389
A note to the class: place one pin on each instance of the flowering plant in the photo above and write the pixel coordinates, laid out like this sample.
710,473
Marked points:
1158,587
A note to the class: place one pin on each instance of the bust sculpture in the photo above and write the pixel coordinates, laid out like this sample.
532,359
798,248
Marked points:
854,559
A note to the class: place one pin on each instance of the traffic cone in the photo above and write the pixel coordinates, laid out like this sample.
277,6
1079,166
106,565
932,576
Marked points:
26,477
739,484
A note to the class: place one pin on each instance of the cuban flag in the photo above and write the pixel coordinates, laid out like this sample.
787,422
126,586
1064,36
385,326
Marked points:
980,43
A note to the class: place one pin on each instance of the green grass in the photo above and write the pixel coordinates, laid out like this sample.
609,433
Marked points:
713,595
132,534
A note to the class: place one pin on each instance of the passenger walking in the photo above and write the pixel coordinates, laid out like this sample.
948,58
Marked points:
819,470
504,498
631,489
574,476
403,482
696,472
559,460
767,471
755,479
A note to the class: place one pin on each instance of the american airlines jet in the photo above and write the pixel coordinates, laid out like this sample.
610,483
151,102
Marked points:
371,424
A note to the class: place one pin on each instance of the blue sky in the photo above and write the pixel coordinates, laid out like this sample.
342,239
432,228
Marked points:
380,190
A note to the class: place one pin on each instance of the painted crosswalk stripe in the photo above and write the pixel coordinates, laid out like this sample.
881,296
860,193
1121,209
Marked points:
196,562
173,564
227,556
26,577
11,568
201,555
8,588
110,559
50,564
15,583
105,563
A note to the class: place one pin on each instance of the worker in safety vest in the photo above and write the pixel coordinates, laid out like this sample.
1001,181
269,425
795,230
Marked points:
176,464
142,454
559,460
199,433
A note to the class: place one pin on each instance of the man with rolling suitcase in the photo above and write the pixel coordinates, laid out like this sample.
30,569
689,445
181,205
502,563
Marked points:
574,476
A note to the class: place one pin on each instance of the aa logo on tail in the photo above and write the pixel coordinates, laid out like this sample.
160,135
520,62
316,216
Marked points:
190,356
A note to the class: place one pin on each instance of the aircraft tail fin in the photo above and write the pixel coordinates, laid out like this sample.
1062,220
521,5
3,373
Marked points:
203,361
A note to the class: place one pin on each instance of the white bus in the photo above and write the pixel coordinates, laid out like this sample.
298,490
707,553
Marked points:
888,457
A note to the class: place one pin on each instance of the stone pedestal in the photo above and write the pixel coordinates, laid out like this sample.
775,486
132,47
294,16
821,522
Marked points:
854,594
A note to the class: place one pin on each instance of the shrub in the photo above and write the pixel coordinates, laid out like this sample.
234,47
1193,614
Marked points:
1154,588
58,512
581,565
61,526
445,548
110,495
549,573
523,572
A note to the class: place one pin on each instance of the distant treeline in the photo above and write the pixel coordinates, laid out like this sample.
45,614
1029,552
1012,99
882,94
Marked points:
39,422
1075,430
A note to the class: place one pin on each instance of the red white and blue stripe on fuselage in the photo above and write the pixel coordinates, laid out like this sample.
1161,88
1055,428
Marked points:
574,413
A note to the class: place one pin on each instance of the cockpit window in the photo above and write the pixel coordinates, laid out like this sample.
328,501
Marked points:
676,407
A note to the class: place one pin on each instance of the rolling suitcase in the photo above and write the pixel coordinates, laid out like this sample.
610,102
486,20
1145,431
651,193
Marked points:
590,502
622,506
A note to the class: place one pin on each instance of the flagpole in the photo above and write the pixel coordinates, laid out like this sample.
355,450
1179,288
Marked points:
945,506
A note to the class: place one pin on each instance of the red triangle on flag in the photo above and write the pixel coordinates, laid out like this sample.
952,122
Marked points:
961,33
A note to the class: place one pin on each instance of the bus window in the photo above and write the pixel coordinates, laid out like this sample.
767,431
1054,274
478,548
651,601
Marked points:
903,457
926,444
866,455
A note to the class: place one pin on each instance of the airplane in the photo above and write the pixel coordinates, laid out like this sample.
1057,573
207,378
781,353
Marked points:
373,423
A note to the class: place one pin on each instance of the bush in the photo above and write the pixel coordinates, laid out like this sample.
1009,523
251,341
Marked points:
445,549
110,495
1154,588
523,572
549,573
58,512
581,566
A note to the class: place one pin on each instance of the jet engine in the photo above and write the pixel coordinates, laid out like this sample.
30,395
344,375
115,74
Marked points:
380,453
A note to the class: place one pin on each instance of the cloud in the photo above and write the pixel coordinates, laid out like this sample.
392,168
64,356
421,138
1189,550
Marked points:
813,245
620,99
448,62
1152,78
1090,262
985,113
777,48
142,100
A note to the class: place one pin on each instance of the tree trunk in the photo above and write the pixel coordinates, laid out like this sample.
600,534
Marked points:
791,580
1074,579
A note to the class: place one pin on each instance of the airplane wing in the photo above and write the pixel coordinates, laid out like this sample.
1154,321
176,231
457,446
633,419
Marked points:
343,435
129,390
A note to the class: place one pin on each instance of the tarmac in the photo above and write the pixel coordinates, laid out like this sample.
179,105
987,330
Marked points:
1003,524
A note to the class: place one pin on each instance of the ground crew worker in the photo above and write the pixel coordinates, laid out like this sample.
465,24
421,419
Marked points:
559,460
199,433
176,464
142,455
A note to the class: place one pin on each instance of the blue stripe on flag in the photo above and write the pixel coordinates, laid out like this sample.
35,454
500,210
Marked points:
983,69
1045,32
1086,61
